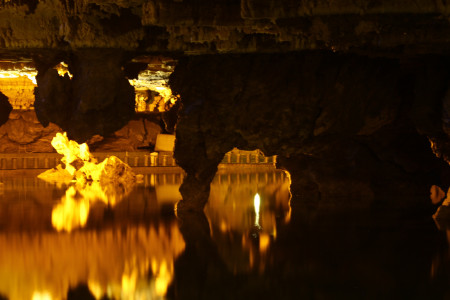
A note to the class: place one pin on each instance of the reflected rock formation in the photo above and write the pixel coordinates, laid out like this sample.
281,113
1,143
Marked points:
245,210
73,210
229,238
97,100
136,262
117,248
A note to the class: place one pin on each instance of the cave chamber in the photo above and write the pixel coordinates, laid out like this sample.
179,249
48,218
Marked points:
231,149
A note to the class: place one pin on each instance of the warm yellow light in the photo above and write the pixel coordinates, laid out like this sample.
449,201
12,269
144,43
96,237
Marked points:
30,74
264,242
70,213
46,265
41,296
63,69
71,150
257,204
129,284
93,182
95,288
163,279
80,164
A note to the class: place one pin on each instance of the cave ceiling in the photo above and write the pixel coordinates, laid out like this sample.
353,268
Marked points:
226,26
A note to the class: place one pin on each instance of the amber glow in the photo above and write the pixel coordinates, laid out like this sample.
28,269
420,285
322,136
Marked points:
154,81
72,152
28,73
114,262
245,208
109,182
83,167
41,296
157,82
256,204
63,69
70,213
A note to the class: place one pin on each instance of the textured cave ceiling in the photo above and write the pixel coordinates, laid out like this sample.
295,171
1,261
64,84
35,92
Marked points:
201,26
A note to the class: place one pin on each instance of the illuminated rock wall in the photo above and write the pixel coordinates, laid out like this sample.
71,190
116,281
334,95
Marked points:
23,133
20,92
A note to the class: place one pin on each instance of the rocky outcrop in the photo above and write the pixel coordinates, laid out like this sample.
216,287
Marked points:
97,100
342,125
23,133
138,133
5,109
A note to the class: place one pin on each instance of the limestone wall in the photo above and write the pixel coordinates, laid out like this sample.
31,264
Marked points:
23,133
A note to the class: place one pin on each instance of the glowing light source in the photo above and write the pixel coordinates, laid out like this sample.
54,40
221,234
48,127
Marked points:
257,204
31,75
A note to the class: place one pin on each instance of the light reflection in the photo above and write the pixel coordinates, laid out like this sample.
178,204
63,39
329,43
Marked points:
70,213
132,263
257,203
244,210
41,296
117,254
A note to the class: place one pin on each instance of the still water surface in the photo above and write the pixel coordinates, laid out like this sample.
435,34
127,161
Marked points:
61,241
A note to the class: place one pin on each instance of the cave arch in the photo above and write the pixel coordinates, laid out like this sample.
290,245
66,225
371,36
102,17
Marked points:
345,126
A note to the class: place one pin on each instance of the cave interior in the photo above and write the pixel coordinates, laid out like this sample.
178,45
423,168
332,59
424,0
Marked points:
351,97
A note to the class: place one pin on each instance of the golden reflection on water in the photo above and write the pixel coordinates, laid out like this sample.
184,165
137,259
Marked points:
54,237
73,210
244,210
126,258
114,262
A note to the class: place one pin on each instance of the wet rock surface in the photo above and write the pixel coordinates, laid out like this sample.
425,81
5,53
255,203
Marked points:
342,125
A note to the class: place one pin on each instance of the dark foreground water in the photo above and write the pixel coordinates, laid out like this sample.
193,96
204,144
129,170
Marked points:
63,241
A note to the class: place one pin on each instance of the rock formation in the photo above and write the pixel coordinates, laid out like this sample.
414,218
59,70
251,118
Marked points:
344,126
5,109
97,100
23,133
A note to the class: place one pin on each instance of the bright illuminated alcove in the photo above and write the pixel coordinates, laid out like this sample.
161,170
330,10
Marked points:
18,80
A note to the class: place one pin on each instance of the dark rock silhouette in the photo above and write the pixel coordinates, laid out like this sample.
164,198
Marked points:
5,109
97,100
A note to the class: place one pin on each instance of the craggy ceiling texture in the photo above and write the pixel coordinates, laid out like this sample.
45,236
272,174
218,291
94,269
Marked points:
349,94
200,26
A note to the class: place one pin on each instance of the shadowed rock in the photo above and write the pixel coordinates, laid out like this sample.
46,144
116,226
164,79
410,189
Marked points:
5,109
97,100
339,123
